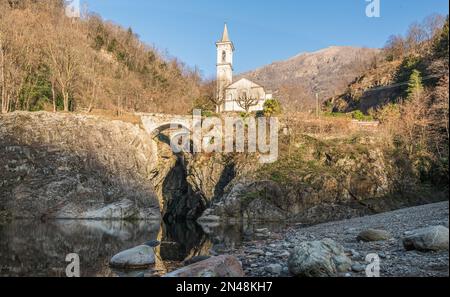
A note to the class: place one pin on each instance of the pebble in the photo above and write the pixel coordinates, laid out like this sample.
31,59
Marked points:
257,252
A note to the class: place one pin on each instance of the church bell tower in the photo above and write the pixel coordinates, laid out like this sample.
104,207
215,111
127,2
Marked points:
225,49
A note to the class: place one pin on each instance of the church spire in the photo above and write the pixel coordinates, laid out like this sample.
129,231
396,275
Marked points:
225,36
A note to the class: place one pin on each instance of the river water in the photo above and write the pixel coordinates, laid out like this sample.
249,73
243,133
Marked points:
30,248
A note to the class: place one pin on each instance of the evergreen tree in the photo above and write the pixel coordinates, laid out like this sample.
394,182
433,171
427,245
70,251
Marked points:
415,86
441,44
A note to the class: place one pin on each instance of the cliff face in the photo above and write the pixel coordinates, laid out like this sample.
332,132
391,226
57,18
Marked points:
323,181
85,167
74,166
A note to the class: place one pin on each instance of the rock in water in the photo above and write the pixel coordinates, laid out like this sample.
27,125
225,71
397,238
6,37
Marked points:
221,266
427,239
374,235
195,259
324,258
138,257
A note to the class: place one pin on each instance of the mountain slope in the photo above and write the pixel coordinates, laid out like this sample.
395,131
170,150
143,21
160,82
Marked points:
53,62
328,72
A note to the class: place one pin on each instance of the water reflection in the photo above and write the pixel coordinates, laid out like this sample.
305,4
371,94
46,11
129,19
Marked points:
29,248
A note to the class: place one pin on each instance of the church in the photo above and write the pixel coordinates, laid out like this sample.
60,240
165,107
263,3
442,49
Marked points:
235,96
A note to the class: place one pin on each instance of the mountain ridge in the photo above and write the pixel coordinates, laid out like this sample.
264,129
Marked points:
296,80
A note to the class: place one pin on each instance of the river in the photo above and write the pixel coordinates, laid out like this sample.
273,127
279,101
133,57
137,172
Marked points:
31,248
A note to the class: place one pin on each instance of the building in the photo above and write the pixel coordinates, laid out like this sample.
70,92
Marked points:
235,96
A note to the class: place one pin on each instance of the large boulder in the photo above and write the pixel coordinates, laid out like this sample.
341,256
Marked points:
137,257
121,210
433,238
324,258
374,235
221,266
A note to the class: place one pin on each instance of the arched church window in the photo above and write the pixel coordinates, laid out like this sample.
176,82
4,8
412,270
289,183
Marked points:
224,56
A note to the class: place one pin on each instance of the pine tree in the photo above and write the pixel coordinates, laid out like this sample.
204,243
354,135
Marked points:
442,44
415,86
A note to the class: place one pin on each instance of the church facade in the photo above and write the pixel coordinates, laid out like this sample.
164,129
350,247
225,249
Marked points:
235,96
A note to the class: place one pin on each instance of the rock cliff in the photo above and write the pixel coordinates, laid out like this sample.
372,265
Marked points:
75,166
85,167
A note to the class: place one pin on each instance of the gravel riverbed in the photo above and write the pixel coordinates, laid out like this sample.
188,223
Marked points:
268,256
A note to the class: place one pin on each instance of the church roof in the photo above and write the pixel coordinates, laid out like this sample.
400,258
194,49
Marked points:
254,85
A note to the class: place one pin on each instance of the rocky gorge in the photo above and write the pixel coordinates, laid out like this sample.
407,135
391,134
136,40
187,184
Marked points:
79,166
66,166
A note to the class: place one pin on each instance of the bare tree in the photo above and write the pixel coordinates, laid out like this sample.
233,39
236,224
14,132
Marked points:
395,47
246,101
64,61
4,108
415,38
218,99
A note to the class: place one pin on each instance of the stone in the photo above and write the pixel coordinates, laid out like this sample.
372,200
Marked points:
220,266
209,218
358,268
137,257
195,259
355,254
433,238
374,235
274,269
324,258
258,252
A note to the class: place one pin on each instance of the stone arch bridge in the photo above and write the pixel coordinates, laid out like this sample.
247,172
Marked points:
155,123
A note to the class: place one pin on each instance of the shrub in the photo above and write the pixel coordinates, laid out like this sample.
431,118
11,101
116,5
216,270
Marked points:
272,107
360,116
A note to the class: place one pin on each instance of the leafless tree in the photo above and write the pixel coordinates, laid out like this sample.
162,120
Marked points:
246,101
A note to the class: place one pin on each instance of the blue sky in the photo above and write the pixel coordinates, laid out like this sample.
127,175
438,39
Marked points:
263,31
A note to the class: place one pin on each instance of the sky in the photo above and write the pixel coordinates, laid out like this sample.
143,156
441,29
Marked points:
263,31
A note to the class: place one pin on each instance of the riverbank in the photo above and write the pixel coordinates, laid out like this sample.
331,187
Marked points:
269,256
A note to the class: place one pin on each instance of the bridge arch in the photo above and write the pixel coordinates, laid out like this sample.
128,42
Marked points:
159,128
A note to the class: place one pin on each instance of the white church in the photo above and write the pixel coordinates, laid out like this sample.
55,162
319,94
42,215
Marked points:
235,96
